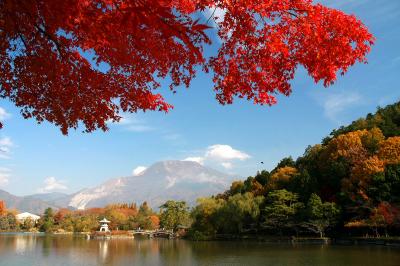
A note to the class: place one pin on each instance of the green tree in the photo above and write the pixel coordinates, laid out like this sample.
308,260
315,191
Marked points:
4,224
47,221
145,210
320,215
85,223
263,177
385,186
67,223
118,219
205,218
142,219
303,184
287,161
173,214
28,224
281,211
240,212
236,187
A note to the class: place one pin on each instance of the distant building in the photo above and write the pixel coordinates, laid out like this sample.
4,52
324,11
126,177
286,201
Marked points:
25,215
104,225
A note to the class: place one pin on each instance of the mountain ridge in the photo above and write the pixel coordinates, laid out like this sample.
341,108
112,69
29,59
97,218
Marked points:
162,181
173,179
26,203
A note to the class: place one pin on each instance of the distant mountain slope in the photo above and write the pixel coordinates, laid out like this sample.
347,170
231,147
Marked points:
24,204
175,180
48,197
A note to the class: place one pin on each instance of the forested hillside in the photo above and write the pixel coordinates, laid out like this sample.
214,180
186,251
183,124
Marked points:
348,184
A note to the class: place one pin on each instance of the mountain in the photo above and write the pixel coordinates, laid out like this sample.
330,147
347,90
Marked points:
167,180
25,204
48,197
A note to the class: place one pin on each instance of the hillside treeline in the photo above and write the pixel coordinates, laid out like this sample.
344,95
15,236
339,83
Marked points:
122,217
349,184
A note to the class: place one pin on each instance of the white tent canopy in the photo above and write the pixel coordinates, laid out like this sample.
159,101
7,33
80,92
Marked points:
25,215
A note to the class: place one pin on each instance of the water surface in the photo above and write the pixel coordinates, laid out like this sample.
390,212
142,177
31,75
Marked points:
26,249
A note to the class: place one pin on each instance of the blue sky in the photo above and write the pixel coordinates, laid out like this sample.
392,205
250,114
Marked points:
234,139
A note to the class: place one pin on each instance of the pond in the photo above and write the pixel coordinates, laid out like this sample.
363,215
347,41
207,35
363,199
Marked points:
54,250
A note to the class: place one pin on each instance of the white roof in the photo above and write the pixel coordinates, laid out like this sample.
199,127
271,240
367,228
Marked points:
25,215
104,221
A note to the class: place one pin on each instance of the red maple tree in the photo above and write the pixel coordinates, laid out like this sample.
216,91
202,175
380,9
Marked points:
45,47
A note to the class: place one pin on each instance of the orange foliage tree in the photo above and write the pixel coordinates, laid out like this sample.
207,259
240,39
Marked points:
51,52
3,209
282,177
155,221
360,150
361,174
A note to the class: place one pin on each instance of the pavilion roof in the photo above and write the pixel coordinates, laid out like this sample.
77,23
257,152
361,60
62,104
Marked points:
104,221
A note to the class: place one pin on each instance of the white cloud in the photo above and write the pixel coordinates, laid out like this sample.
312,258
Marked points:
5,147
335,104
222,152
5,174
138,170
4,114
227,165
199,159
51,184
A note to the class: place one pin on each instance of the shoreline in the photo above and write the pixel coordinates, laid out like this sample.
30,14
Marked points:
343,241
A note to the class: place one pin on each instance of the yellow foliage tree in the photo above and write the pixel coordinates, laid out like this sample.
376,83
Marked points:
281,177
360,149
349,146
389,150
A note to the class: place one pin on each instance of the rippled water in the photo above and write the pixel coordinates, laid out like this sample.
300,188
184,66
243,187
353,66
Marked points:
25,249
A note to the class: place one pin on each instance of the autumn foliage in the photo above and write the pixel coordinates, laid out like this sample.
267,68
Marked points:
83,62
3,209
282,177
348,184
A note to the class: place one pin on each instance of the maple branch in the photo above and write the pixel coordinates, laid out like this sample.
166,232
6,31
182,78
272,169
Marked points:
50,37
211,16
292,14
58,46
23,40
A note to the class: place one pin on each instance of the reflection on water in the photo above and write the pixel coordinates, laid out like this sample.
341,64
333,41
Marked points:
24,243
26,249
